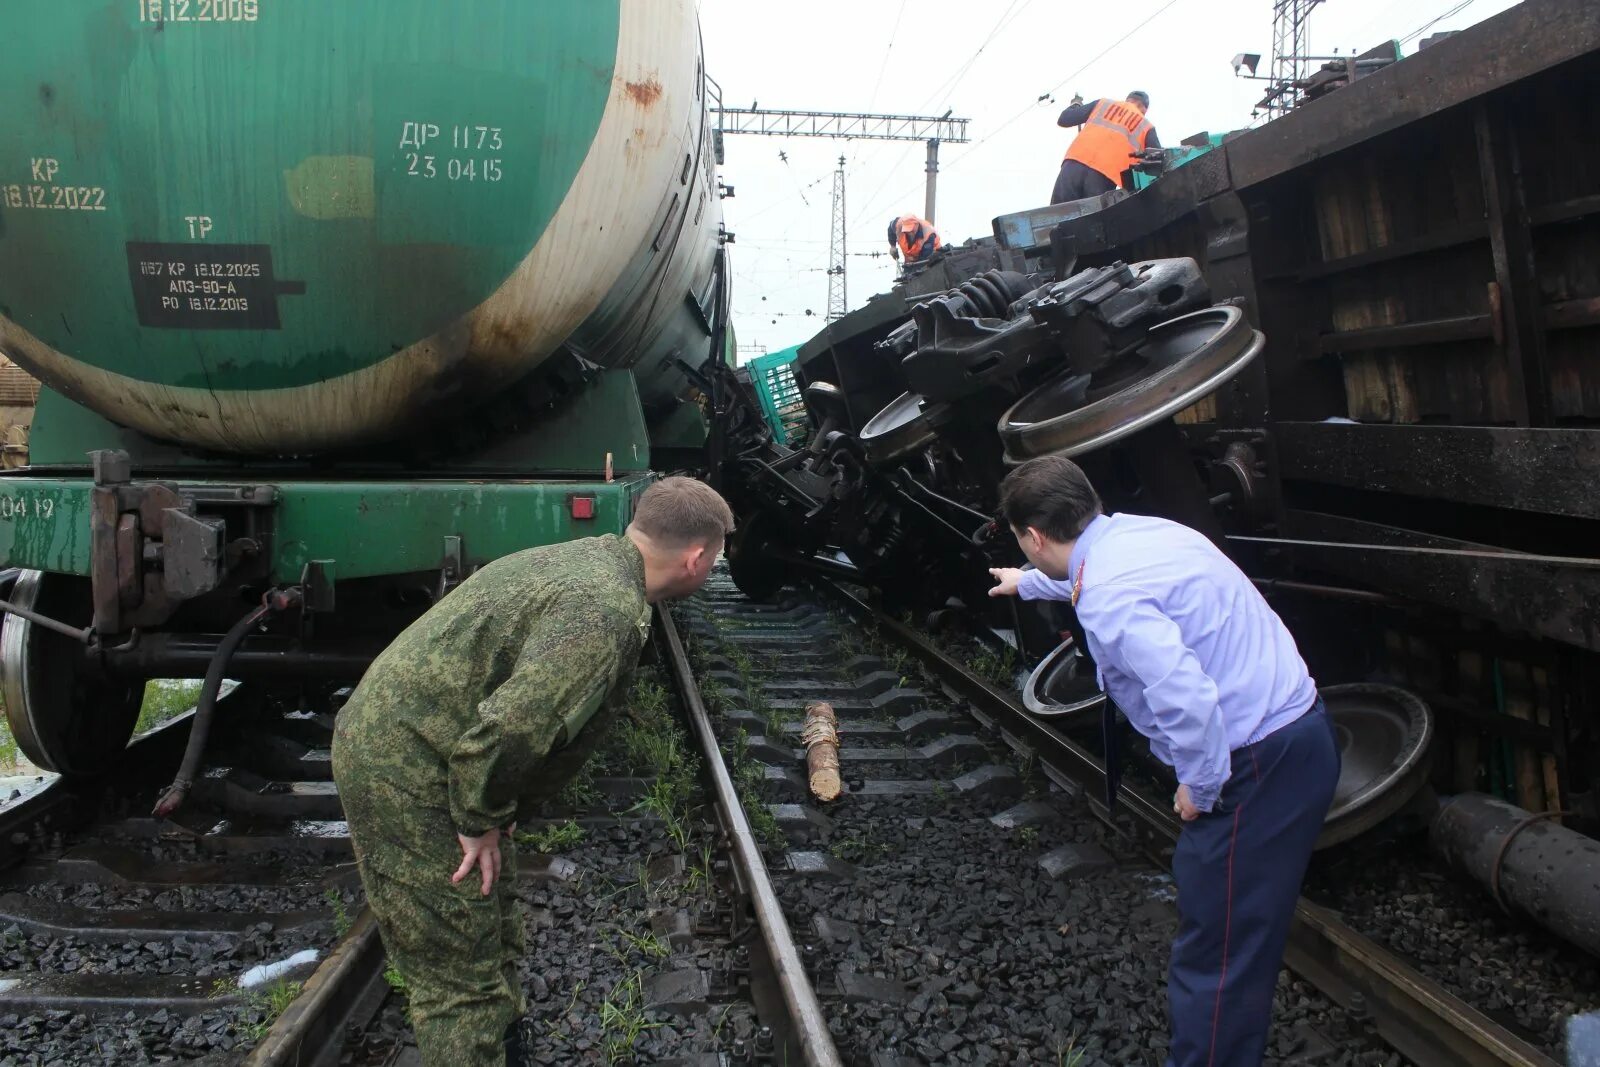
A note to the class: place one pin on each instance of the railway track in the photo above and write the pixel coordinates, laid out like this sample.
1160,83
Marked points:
966,900
924,764
128,937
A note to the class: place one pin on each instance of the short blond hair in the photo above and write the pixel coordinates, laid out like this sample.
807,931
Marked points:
677,512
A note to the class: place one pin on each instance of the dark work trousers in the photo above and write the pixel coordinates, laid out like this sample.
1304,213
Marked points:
1239,869
1078,182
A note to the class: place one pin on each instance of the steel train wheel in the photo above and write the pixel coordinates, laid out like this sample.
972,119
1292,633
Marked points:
1063,688
1384,735
907,424
1179,362
65,717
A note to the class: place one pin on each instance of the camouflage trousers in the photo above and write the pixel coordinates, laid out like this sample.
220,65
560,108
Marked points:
456,948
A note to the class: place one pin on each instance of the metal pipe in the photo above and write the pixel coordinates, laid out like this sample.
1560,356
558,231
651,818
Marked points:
1528,862
831,568
816,1043
34,617
258,656
1331,592
172,798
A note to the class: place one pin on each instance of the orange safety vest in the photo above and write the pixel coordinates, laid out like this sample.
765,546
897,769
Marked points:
917,239
1113,134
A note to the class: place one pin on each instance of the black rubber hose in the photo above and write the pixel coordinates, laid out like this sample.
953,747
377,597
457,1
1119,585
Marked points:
172,799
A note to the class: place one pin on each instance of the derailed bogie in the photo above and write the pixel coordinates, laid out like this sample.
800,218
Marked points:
918,495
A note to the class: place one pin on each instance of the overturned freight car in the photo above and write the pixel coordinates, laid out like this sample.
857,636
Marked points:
1385,405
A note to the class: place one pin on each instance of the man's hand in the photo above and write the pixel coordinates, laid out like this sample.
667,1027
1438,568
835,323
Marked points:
482,853
1184,805
1008,577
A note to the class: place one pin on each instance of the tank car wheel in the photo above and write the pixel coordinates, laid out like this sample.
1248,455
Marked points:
1063,687
1384,736
907,424
65,717
1179,362
752,569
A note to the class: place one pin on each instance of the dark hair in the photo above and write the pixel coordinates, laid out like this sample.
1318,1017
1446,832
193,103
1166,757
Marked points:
677,512
1050,494
1140,96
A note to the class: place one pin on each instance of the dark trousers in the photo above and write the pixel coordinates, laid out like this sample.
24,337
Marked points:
1239,869
1078,182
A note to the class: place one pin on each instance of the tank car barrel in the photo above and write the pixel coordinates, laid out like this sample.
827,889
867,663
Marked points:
1527,861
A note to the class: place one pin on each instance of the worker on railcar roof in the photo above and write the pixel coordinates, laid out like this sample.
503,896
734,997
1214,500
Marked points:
485,706
1113,134
913,239
1189,650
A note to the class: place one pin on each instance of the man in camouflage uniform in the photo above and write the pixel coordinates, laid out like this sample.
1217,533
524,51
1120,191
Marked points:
480,709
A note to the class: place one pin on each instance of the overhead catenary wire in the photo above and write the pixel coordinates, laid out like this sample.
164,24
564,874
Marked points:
883,67
1426,26
949,85
977,145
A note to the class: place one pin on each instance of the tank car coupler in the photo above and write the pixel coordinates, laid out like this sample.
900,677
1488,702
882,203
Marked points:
152,547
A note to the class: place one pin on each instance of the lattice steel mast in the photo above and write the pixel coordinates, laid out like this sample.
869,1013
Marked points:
838,303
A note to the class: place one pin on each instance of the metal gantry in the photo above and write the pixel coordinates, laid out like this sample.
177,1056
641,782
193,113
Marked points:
845,124
849,126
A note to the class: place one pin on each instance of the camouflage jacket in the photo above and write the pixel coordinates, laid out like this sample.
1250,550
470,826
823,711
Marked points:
472,698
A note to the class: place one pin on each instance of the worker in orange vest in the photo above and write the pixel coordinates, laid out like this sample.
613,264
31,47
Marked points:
913,240
1113,133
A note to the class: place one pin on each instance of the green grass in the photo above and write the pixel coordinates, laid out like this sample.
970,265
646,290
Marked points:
763,823
667,799
999,668
341,914
165,699
622,1019
396,980
650,946
269,1003
579,794
8,748
553,839
860,848
1067,1055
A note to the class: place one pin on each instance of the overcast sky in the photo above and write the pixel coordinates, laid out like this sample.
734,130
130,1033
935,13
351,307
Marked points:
989,62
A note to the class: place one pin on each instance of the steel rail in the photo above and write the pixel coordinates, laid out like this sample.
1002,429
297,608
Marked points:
810,1025
311,1030
1415,1015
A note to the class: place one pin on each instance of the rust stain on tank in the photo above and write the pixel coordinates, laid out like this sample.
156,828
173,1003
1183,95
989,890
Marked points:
646,92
